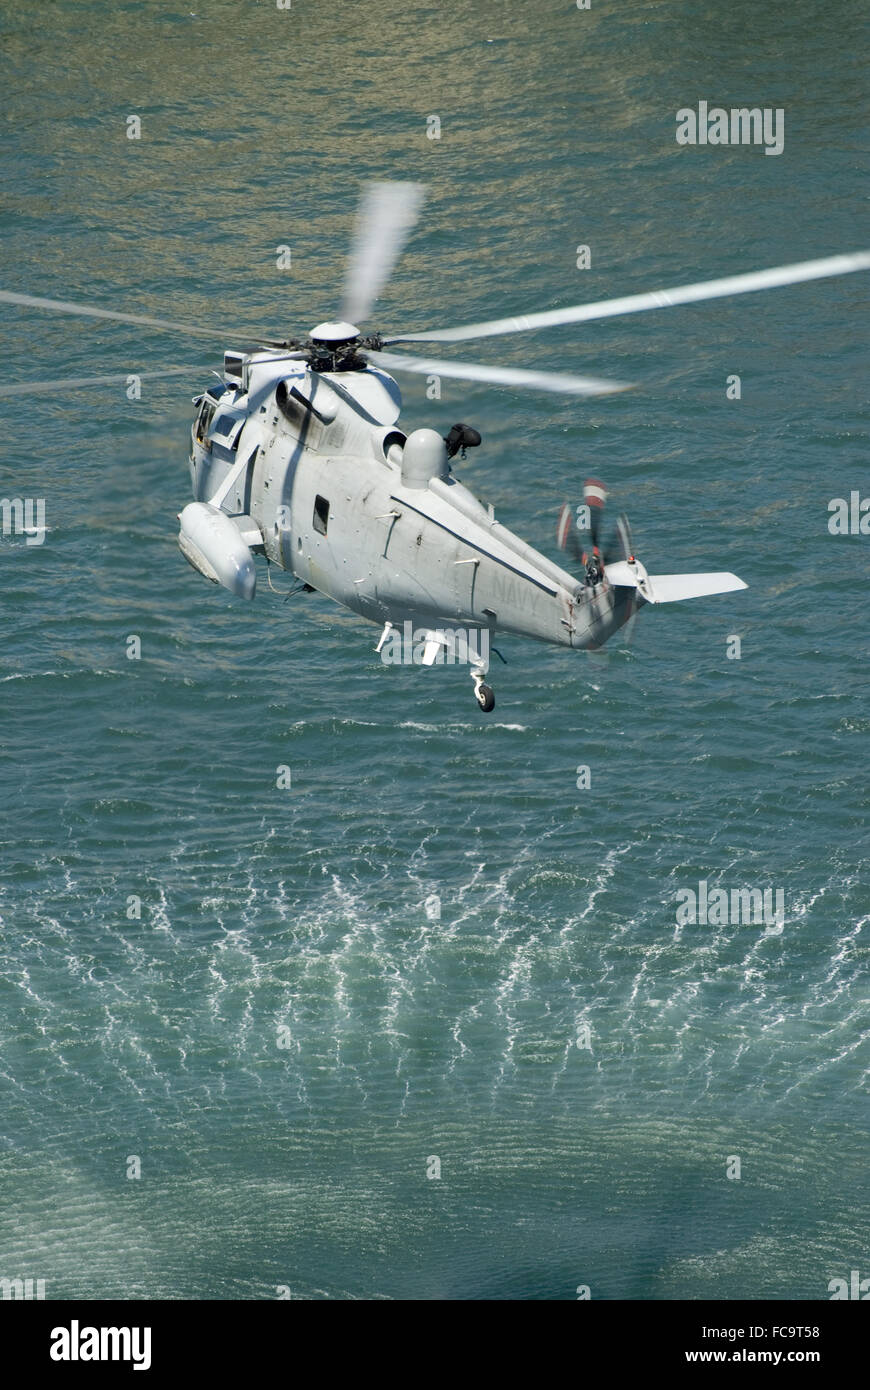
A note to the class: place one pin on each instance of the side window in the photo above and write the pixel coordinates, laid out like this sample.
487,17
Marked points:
321,514
226,430
205,418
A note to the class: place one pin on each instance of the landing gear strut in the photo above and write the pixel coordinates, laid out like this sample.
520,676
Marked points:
483,694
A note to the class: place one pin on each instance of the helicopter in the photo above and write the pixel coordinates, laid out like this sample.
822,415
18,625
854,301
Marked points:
296,455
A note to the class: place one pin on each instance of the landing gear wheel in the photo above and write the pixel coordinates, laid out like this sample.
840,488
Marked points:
485,697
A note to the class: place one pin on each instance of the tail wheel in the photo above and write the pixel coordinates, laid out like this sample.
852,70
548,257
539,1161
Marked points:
485,697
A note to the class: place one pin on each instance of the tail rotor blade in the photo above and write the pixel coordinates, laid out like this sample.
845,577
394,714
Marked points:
594,496
566,534
625,545
625,551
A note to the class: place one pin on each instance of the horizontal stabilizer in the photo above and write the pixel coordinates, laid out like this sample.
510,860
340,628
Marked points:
670,588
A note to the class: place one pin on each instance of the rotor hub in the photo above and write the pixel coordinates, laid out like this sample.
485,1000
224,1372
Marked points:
334,335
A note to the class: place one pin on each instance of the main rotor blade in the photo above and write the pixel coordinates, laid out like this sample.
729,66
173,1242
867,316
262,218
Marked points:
23,388
654,299
387,213
60,306
501,376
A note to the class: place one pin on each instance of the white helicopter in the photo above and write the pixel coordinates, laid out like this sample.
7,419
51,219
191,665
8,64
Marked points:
296,455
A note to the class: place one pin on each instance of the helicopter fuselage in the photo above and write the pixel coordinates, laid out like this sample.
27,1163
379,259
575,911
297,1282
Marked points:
312,470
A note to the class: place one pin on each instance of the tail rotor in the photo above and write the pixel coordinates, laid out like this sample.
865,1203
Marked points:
583,539
594,500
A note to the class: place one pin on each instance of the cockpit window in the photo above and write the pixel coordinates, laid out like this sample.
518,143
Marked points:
204,419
